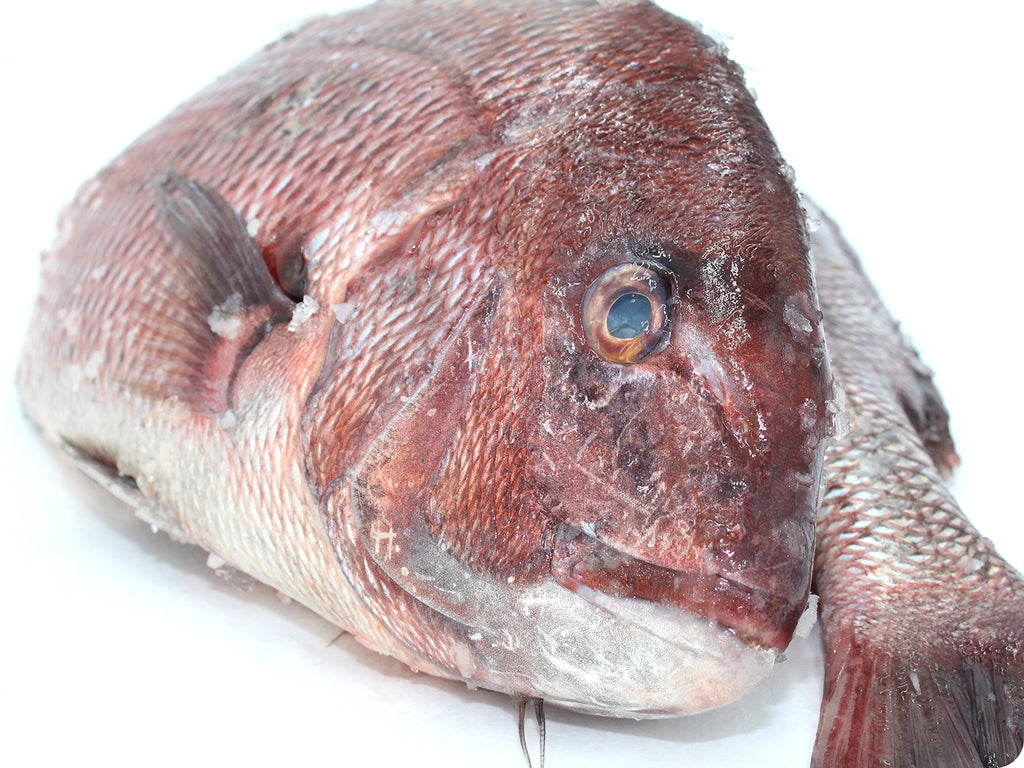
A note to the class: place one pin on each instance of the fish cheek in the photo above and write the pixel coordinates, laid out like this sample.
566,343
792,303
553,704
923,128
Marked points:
375,482
433,477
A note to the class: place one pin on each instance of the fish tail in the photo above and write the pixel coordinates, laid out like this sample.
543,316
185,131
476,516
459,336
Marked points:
953,705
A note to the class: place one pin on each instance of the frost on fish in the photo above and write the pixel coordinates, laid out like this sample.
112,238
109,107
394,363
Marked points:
304,310
560,433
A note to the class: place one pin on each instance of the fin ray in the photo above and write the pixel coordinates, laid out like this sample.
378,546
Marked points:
950,706
226,298
210,235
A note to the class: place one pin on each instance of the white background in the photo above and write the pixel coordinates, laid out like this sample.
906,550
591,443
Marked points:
120,647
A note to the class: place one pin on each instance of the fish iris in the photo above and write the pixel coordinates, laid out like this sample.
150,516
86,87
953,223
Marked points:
625,312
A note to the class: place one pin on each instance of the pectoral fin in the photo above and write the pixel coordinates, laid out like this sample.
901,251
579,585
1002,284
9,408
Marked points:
230,299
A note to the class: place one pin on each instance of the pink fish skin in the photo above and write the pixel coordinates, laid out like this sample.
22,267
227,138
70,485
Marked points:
408,422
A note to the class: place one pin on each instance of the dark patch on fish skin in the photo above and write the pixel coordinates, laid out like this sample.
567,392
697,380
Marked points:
264,104
680,265
731,486
590,382
678,262
634,445
639,445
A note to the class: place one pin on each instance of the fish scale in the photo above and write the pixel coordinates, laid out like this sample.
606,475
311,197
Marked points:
448,465
911,592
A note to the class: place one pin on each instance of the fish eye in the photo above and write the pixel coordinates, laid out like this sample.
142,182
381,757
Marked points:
625,313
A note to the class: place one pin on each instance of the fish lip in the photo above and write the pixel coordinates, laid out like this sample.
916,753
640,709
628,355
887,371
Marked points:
613,579
583,650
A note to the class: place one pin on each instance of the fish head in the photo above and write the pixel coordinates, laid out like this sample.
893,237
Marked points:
682,427
597,485
682,421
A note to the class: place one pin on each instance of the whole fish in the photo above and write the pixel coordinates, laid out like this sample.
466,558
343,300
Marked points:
489,333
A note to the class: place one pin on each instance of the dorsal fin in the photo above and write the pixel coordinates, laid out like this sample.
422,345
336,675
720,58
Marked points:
229,298
901,366
921,401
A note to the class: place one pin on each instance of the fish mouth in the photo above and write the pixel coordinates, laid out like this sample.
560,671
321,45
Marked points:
567,638
666,601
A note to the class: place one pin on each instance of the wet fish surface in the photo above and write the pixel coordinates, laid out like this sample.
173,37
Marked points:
344,319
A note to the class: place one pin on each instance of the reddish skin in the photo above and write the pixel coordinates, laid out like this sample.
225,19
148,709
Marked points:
923,620
462,189
634,158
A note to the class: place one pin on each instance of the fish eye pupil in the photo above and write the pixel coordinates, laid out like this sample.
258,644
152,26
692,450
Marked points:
629,316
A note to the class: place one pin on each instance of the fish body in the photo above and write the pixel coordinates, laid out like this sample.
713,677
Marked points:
921,616
327,319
